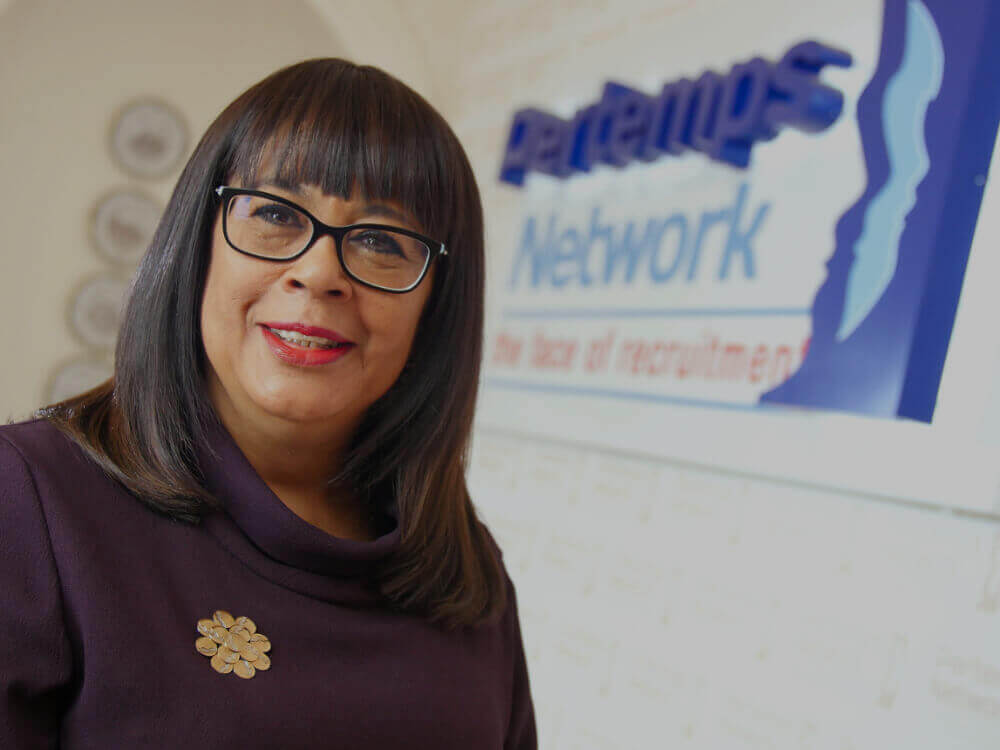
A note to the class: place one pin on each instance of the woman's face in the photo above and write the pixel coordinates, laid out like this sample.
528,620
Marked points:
260,375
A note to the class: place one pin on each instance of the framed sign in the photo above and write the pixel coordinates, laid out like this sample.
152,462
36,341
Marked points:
755,261
707,284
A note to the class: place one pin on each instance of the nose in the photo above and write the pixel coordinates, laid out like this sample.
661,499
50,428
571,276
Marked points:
318,271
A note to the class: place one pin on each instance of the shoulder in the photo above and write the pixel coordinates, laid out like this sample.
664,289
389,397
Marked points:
25,532
509,616
19,501
36,648
24,448
36,442
521,731
38,460
491,542
38,449
493,548
38,465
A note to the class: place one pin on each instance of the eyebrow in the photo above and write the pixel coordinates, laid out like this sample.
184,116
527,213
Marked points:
388,212
370,208
291,187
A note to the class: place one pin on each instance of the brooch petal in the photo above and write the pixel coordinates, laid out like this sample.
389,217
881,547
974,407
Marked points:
234,644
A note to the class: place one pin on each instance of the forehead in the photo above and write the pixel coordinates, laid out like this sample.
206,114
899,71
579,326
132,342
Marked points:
348,160
312,197
274,170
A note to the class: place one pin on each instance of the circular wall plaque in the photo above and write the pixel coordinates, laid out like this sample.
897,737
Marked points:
148,138
95,310
76,376
123,224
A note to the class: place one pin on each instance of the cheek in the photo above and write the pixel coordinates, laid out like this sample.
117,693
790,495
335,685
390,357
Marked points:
214,310
208,317
392,328
228,294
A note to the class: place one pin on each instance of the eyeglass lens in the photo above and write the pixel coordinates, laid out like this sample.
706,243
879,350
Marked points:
265,228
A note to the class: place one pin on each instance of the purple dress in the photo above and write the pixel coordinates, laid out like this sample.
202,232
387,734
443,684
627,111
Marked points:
101,600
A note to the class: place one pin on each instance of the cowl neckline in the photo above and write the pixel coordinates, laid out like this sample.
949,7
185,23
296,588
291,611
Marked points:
256,527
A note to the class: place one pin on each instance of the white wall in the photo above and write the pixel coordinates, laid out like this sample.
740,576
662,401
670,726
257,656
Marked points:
65,70
669,606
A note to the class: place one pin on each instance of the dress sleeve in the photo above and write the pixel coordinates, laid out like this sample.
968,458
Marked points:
35,653
521,732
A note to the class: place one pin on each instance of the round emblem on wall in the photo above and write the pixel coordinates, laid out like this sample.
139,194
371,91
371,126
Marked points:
76,376
148,139
95,310
123,224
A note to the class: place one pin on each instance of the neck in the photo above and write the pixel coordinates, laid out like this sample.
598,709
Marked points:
297,460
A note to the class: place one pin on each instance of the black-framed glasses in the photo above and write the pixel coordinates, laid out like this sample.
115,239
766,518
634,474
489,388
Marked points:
270,227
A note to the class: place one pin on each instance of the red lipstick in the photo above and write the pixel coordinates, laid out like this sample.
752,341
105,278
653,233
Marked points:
296,354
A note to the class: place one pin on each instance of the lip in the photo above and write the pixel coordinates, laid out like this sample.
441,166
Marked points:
297,355
309,331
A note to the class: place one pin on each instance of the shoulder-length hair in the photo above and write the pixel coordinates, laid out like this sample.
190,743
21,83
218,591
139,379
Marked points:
340,126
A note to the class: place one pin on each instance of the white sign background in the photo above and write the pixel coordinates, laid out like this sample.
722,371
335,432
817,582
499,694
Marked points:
809,180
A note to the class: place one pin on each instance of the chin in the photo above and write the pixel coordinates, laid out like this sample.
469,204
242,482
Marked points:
295,410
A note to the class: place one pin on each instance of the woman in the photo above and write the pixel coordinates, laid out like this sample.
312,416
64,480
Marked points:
259,531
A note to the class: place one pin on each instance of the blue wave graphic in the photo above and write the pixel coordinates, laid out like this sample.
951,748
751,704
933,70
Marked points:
908,94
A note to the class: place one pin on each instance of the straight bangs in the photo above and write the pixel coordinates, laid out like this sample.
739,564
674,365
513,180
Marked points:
349,128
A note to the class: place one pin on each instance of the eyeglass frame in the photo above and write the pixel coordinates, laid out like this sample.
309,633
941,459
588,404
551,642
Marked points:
319,229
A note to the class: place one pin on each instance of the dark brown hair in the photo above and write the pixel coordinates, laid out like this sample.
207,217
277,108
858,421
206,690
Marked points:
337,125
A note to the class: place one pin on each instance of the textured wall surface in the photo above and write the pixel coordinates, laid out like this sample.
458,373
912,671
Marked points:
666,605
65,71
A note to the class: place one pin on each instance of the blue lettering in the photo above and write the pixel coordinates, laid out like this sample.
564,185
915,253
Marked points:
631,249
571,252
537,256
601,121
577,149
670,112
548,146
721,116
797,97
517,159
561,257
740,241
704,112
604,234
743,97
656,273
628,127
708,220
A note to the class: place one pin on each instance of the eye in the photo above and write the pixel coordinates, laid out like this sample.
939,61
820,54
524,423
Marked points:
278,215
378,241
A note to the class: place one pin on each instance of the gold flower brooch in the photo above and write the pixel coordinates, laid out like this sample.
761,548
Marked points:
234,645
